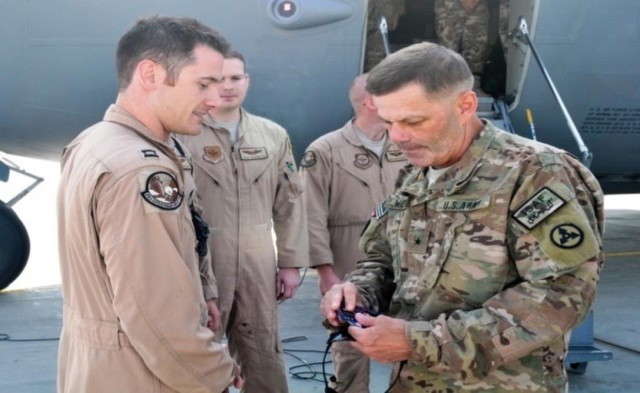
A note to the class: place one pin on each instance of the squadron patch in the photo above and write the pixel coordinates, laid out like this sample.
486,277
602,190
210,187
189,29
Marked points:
567,236
362,161
253,153
536,209
162,191
213,154
308,159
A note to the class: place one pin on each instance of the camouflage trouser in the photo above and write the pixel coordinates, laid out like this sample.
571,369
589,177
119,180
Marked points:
351,369
466,32
503,29
374,51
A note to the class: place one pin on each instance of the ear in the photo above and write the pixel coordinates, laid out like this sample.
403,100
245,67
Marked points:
467,104
368,103
147,74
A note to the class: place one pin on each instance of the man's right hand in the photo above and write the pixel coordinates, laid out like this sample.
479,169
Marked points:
334,298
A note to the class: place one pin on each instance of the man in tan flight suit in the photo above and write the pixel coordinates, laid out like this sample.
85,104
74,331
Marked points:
249,184
134,290
346,173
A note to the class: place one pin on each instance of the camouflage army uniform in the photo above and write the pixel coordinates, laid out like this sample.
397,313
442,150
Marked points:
491,265
374,48
464,31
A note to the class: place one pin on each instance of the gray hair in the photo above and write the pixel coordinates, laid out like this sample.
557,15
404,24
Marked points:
440,71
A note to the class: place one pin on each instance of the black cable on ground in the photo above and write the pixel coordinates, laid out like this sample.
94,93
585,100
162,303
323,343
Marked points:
619,346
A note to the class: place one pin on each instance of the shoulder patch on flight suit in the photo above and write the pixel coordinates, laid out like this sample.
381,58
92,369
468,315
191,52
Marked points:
538,207
149,153
253,153
162,191
308,159
362,161
395,156
462,205
567,236
213,154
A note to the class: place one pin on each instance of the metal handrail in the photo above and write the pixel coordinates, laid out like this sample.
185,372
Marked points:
586,155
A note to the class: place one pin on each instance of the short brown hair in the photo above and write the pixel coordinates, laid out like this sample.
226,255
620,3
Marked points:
167,41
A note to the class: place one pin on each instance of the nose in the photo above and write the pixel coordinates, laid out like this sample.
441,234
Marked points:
397,134
213,98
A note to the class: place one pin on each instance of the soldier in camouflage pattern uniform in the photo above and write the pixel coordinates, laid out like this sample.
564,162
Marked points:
391,10
487,254
463,26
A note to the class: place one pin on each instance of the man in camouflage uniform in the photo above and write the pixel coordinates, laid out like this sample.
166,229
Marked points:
463,26
374,47
488,253
346,173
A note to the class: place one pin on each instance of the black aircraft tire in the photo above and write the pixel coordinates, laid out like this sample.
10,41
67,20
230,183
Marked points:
14,246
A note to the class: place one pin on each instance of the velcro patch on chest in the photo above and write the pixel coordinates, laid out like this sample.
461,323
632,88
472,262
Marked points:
253,153
538,207
162,191
395,156
462,205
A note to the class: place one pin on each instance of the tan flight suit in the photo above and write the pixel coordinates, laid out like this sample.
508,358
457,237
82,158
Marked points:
343,183
134,309
247,189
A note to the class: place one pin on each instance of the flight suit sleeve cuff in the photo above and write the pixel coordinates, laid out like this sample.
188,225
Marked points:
210,292
425,348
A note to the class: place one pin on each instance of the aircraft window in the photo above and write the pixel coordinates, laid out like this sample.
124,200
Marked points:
286,9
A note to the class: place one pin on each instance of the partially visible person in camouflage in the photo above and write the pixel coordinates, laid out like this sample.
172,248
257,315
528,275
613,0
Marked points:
486,255
463,26
374,47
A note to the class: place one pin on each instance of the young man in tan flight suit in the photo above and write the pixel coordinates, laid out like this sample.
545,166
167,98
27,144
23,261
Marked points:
134,290
346,173
249,184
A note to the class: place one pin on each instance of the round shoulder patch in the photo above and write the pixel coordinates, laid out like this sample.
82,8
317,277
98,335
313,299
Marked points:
308,159
162,191
567,236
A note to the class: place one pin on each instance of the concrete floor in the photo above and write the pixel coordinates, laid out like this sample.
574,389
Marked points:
29,366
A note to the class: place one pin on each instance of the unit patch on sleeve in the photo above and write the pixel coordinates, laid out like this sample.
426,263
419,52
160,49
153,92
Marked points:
308,159
162,191
538,207
380,211
567,236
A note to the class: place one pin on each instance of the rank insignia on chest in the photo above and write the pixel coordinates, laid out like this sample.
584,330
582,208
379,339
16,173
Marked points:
213,154
538,207
253,153
362,161
162,191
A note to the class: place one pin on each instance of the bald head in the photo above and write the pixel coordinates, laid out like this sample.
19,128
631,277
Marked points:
358,92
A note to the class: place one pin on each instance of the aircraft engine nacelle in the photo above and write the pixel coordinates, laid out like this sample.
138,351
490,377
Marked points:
14,246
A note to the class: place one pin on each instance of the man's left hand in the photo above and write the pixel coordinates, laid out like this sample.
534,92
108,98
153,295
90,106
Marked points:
214,315
381,338
287,282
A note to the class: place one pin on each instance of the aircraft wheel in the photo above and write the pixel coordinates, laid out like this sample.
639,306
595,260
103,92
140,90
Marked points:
14,246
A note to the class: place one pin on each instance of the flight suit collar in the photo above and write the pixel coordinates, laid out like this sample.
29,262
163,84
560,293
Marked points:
117,114
350,134
456,177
